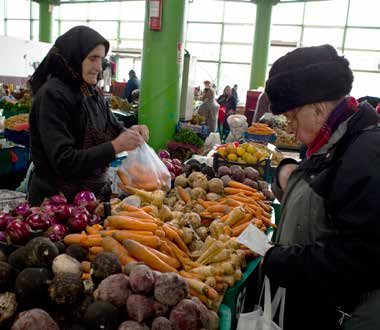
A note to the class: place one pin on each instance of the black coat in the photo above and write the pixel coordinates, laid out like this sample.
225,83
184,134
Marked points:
70,138
336,270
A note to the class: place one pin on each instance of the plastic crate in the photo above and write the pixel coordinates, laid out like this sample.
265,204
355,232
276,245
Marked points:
263,167
201,130
5,161
23,159
268,138
225,317
235,296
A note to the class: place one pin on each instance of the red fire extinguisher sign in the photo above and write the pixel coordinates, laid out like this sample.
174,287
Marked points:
155,13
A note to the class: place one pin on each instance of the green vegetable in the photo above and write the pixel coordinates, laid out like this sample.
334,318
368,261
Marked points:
189,137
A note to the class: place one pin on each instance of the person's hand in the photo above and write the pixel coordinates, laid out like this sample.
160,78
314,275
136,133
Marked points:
127,140
284,174
142,130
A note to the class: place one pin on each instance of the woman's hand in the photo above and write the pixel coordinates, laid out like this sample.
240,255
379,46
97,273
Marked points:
142,130
127,140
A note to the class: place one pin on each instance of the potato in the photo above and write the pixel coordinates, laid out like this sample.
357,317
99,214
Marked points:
251,183
141,279
170,288
139,307
162,323
268,194
237,174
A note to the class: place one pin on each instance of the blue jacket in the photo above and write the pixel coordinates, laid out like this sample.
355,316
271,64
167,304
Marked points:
131,85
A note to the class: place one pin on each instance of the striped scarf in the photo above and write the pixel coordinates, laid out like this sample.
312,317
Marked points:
342,112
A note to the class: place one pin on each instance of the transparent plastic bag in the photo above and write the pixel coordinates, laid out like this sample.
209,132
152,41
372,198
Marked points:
143,169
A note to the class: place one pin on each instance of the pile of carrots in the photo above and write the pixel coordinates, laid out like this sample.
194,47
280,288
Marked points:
250,203
261,129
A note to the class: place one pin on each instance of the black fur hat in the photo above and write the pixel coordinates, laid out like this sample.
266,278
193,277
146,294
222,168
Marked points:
308,75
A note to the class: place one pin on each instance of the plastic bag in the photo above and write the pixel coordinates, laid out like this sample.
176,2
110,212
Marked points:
143,169
238,125
212,140
263,319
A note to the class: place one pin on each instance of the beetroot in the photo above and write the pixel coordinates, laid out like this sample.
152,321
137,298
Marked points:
66,288
132,325
141,279
3,237
162,323
139,307
101,315
224,170
114,289
56,232
251,173
177,162
170,288
251,183
160,309
22,210
104,265
18,231
34,319
163,154
86,199
38,221
209,319
78,221
185,315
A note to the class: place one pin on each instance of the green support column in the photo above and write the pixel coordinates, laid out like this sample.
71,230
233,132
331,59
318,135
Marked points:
162,73
261,43
46,22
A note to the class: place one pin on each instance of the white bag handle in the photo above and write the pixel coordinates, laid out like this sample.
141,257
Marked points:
270,308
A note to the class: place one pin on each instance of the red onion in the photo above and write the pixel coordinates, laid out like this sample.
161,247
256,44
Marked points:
5,218
38,221
22,210
3,237
77,221
62,213
58,199
177,170
56,232
94,219
164,154
87,199
18,231
35,209
176,161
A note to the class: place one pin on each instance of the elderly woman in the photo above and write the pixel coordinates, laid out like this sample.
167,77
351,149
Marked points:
74,135
209,109
327,254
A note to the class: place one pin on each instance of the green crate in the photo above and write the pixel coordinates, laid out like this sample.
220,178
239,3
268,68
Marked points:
277,216
225,317
235,296
5,161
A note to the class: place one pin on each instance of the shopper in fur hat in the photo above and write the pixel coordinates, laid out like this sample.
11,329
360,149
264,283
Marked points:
328,251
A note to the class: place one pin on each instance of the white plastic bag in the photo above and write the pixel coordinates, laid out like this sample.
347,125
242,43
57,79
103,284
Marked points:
263,319
143,169
238,125
212,140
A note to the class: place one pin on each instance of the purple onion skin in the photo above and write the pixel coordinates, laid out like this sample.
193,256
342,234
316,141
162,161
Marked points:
56,232
86,199
5,218
78,221
22,210
18,231
39,221
94,219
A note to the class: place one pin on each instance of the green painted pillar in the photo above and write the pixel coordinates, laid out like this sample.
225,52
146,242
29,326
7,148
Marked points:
46,21
261,43
161,75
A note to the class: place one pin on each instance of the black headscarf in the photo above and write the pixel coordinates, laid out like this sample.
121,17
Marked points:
65,58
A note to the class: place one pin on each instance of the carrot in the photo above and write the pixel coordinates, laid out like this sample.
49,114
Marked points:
86,276
172,234
207,215
110,244
85,266
96,249
122,222
91,240
230,202
236,231
123,177
147,220
202,288
191,275
97,227
129,208
206,204
91,231
168,259
139,214
164,248
246,218
183,194
218,208
266,207
152,241
238,185
208,302
73,238
143,253
227,230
